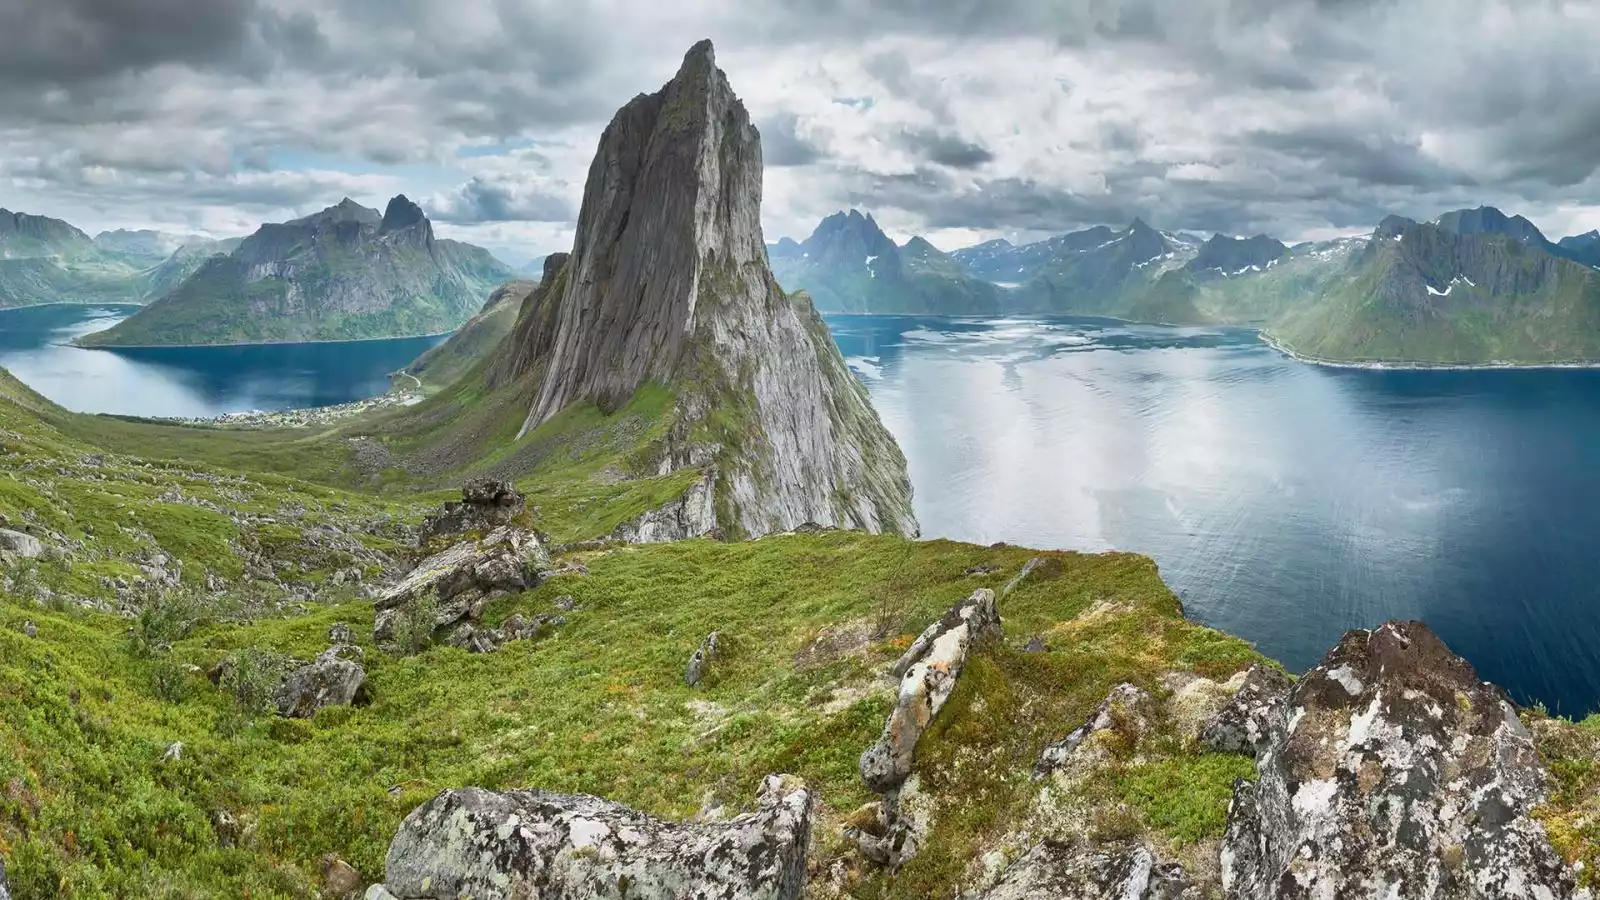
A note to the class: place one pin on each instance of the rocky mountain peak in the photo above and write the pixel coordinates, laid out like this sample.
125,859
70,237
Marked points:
1231,254
848,240
401,213
668,282
1488,220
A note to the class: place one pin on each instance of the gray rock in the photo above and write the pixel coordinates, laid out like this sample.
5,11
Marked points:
669,283
22,545
566,603
328,681
1035,645
339,878
173,753
1061,872
470,842
462,576
1242,723
486,504
928,671
1126,707
339,633
376,892
700,660
226,826
1392,771
1022,575
5,891
30,629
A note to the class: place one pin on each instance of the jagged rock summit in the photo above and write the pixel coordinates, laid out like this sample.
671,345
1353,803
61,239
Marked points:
668,282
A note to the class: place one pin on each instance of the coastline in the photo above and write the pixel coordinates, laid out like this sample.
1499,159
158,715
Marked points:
1399,365
397,337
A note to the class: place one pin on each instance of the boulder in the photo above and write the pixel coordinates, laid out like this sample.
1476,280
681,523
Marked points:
470,842
339,633
700,660
1052,871
927,671
1126,708
339,878
30,630
463,576
331,680
5,892
1390,770
1241,725
485,504
21,545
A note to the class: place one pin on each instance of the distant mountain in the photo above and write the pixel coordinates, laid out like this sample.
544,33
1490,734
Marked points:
1235,256
182,263
1583,248
24,236
347,272
849,265
145,246
1098,278
1004,263
1472,287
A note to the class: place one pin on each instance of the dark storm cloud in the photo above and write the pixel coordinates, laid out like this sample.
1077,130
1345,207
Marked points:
782,145
488,200
945,149
1229,115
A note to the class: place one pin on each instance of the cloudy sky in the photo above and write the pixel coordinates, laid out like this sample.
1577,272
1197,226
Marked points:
959,119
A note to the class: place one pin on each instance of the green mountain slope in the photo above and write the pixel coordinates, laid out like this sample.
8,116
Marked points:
345,273
1107,278
849,265
1422,293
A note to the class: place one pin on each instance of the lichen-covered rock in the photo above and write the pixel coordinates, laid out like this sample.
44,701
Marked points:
5,892
1052,871
669,283
1126,707
485,504
1392,771
700,660
928,671
1241,725
470,842
462,576
331,680
21,545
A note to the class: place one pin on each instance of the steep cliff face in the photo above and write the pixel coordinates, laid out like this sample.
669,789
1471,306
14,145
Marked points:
346,272
668,283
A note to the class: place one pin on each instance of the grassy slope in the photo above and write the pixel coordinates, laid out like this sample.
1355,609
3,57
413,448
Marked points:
444,364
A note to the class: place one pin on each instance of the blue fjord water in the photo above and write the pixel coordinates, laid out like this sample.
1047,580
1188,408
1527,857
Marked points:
188,381
1284,502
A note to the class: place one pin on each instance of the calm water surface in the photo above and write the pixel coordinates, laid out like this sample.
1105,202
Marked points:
188,381
1286,503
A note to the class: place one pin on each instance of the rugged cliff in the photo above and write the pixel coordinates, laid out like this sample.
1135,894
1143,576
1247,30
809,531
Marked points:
344,273
668,284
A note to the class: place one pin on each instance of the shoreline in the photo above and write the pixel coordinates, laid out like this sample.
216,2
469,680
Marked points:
1407,366
365,340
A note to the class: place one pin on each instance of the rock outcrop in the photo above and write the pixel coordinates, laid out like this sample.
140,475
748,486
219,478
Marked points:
700,660
471,842
334,678
1243,722
1126,706
1390,770
668,283
928,671
485,504
1053,871
457,581
692,515
17,544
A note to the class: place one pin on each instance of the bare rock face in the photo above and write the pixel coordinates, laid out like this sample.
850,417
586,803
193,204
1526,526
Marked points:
470,842
1053,871
463,576
668,282
1392,771
1242,725
331,680
928,671
690,516
485,504
5,892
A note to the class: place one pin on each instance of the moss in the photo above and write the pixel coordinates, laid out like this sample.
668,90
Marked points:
1184,797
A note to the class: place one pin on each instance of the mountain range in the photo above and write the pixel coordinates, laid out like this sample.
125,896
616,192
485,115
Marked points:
1474,286
347,272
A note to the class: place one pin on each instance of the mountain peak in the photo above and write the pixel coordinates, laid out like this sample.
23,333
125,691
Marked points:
1489,220
668,283
401,213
